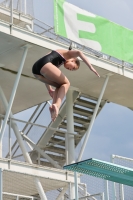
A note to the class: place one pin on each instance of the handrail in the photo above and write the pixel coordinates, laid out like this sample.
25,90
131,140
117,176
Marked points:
42,126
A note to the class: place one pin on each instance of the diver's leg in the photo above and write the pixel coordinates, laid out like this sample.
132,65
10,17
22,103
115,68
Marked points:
52,73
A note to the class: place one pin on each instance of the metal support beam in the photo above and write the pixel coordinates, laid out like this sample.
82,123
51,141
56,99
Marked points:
62,193
122,191
14,91
76,185
92,119
106,190
22,146
26,127
91,196
41,151
70,126
102,195
113,183
16,130
0,141
70,143
25,7
11,17
9,138
85,190
1,184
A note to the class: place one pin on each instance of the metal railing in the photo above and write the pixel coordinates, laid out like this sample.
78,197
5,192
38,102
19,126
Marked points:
47,31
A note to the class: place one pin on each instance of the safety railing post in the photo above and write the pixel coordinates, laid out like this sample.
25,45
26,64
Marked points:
113,183
106,190
1,184
0,141
70,143
11,17
76,185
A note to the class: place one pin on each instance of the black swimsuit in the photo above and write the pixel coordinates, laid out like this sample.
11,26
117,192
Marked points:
54,57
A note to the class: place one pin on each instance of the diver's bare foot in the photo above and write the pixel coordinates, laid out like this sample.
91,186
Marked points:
51,111
54,110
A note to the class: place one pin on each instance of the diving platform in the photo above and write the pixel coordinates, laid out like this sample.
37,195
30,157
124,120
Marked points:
103,170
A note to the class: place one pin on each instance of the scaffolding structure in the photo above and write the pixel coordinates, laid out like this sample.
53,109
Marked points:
32,165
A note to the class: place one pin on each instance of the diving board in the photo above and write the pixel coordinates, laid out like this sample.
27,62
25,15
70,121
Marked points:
104,170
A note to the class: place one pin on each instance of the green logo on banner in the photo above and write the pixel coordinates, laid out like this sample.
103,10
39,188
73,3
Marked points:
93,31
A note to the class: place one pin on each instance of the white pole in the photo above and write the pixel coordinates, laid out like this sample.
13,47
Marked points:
11,16
13,92
40,189
70,128
76,185
92,120
25,7
113,183
103,196
85,190
62,193
122,191
106,189
1,184
10,139
20,6
41,151
66,147
1,140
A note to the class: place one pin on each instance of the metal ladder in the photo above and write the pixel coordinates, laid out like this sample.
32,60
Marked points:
53,142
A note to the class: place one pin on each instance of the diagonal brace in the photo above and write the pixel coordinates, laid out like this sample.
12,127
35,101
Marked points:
14,92
41,151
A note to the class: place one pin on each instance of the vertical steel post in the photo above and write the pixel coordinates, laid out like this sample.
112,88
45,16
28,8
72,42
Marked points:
13,92
113,183
9,138
106,189
70,189
122,191
85,190
70,128
25,7
1,184
11,17
20,6
92,120
1,140
66,147
10,155
103,196
76,186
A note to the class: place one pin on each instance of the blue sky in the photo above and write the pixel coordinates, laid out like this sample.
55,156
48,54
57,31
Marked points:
112,132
